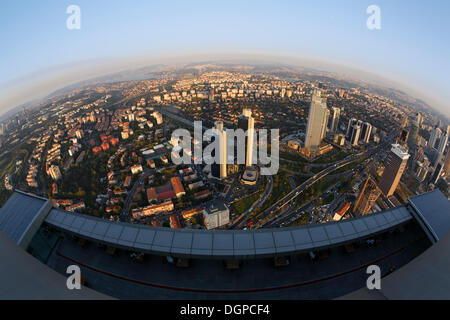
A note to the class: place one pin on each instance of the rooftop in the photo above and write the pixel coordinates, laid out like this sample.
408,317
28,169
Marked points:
19,215
432,211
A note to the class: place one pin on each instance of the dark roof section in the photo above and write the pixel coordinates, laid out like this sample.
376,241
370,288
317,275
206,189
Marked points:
424,278
432,211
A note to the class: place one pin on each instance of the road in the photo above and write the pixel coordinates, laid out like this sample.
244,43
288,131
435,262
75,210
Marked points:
299,190
281,219
240,221
125,216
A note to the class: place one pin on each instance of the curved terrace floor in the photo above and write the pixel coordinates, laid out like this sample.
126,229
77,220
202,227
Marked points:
155,278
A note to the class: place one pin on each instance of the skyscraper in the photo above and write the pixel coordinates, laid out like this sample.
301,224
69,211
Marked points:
247,123
414,132
316,119
366,130
335,120
355,133
446,168
403,138
250,141
434,136
438,173
367,198
418,119
395,165
442,144
219,170
351,122
325,124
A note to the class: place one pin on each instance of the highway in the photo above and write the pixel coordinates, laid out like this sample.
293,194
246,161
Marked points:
299,190
240,221
281,219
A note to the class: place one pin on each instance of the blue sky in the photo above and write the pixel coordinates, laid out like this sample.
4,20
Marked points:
412,46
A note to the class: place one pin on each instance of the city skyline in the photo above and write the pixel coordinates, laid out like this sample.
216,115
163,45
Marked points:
32,69
254,150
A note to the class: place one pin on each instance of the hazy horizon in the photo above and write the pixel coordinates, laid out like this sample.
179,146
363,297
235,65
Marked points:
42,56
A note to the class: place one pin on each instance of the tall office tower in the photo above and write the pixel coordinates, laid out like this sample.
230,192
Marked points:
366,130
335,120
316,120
325,124
219,170
367,198
246,112
418,119
403,137
434,136
442,144
413,134
404,122
448,130
2,129
438,173
247,123
55,173
422,169
351,122
355,133
395,165
435,157
446,168
250,141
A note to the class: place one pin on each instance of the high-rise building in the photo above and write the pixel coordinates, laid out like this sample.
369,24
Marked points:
446,168
220,169
351,123
335,120
442,144
250,142
355,133
403,137
394,167
366,130
316,119
422,170
418,119
246,112
247,123
367,198
414,131
325,124
438,173
434,136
